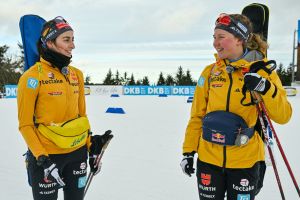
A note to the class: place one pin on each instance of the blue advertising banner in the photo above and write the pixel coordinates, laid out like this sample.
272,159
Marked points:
11,91
159,90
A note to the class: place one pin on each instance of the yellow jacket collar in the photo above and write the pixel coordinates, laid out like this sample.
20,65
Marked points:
237,64
245,63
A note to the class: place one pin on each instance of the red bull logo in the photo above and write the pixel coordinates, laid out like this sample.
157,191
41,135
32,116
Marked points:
218,137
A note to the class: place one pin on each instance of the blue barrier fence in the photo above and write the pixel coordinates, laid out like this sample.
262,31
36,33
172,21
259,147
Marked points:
159,90
162,91
11,90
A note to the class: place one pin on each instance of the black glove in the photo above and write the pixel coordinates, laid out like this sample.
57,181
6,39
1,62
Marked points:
187,163
50,170
255,82
94,166
98,141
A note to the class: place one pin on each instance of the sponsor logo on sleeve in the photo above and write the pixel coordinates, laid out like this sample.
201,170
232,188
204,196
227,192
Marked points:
32,83
201,81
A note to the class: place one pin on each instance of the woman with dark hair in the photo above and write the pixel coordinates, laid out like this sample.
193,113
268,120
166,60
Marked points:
52,118
223,127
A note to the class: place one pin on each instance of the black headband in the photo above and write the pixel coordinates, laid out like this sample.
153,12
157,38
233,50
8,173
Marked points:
53,29
235,27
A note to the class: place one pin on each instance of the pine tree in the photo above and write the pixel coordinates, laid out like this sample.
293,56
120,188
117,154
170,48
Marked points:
117,78
124,79
21,57
179,80
170,80
131,81
161,79
145,80
285,75
289,71
187,80
139,82
9,69
109,78
87,80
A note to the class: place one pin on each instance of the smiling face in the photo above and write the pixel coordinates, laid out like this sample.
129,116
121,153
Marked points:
63,44
227,45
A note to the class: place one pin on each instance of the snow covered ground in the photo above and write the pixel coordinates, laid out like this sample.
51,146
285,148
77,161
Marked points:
142,161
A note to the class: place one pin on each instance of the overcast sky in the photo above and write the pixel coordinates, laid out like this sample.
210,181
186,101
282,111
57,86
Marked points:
146,37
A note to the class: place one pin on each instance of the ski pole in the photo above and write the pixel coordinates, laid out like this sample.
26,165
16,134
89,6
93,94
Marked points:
262,107
92,174
88,182
266,135
264,110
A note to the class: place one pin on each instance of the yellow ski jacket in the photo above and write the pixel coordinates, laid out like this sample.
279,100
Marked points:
218,90
46,96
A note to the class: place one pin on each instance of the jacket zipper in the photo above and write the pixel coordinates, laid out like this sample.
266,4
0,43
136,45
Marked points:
67,90
229,91
227,109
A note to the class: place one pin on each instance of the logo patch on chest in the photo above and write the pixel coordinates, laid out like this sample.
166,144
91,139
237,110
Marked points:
55,93
73,76
217,85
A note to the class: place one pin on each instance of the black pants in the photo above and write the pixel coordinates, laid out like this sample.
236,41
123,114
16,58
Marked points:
72,168
214,182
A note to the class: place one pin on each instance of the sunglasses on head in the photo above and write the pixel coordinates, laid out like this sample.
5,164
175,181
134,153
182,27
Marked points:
225,19
60,22
59,19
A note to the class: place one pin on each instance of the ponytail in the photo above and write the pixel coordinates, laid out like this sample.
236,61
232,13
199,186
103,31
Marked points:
255,42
